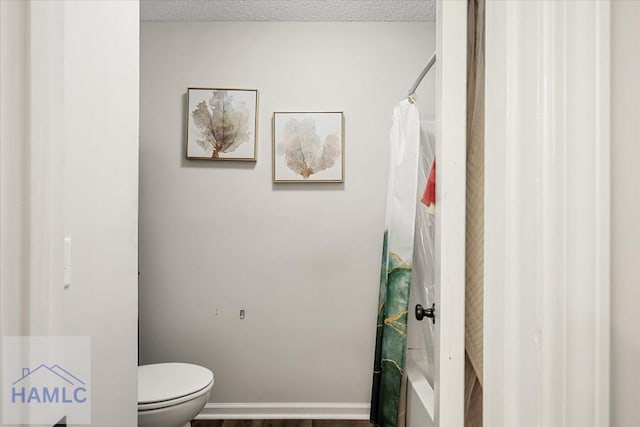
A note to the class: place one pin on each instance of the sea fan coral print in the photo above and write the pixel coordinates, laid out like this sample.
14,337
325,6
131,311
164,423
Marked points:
305,153
221,122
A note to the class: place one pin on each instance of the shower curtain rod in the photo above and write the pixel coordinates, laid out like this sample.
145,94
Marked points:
424,72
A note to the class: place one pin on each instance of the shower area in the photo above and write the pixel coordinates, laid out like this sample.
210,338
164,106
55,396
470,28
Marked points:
445,310
437,227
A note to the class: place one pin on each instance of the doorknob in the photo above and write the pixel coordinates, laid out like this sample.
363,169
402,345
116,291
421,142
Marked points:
422,312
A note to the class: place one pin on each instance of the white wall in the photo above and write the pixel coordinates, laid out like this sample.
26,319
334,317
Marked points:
301,259
625,215
101,120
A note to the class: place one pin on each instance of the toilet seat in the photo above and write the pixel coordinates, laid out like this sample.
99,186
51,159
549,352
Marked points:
162,385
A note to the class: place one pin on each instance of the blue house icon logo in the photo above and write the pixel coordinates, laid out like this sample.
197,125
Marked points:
47,385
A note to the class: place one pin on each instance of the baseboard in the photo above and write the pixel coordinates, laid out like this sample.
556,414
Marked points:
285,411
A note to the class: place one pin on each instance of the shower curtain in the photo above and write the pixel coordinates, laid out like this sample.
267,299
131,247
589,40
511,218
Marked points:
395,274
474,271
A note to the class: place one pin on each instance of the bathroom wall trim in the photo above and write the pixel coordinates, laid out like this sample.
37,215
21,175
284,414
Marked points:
285,411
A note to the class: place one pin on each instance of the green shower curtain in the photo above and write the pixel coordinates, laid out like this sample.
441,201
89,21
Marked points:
387,406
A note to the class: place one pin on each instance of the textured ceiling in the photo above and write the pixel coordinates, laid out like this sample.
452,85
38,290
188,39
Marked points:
288,10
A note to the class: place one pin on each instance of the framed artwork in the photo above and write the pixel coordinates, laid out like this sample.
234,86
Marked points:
222,124
308,147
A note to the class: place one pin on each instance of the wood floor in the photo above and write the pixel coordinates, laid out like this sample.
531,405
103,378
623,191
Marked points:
280,423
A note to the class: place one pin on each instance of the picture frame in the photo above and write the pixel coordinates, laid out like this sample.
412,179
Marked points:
308,147
222,124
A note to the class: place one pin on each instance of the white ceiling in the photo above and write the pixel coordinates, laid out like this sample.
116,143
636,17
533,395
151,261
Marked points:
288,10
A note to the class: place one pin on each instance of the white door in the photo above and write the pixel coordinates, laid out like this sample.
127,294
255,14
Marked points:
421,337
69,168
435,393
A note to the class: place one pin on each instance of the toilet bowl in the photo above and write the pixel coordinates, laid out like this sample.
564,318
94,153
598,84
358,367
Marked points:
172,394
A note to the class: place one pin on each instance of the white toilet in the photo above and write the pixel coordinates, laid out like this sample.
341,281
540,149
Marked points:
172,394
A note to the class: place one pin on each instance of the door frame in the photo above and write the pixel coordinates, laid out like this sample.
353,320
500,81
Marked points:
547,139
451,121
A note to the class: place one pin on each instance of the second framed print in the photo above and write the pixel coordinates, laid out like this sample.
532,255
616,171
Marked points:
308,147
221,124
